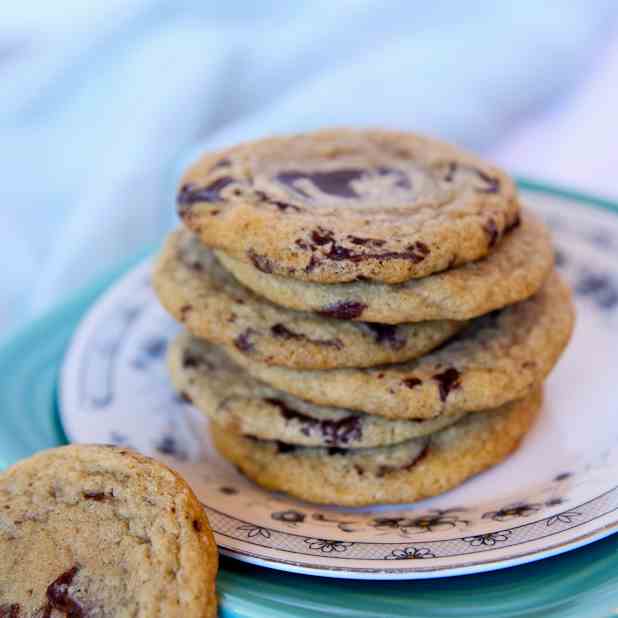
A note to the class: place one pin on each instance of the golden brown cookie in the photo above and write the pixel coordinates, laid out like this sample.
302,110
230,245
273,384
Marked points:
102,531
340,205
198,292
513,272
497,359
407,472
223,391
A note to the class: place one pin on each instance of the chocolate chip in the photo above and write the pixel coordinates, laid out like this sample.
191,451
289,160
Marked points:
283,332
515,223
301,244
228,491
185,397
492,232
222,163
97,496
261,262
321,236
343,310
282,206
359,470
374,242
197,526
387,333
191,194
412,382
58,596
335,182
448,380
335,432
283,448
243,341
190,360
184,312
313,262
333,450
492,184
450,172
10,611
401,180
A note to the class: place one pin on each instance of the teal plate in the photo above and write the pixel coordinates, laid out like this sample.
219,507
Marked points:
582,583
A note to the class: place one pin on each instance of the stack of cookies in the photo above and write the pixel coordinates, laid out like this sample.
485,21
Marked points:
369,315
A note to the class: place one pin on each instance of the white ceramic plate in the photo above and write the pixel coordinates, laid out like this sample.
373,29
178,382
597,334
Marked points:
557,492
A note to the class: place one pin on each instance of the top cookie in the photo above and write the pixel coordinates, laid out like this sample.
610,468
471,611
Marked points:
102,531
342,205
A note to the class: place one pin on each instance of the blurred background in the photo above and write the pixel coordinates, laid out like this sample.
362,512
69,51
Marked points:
102,102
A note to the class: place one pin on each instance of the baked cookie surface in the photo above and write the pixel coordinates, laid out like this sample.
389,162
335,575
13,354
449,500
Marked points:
198,292
407,472
339,205
97,531
513,272
223,391
498,358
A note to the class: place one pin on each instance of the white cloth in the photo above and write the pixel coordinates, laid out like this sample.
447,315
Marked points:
102,102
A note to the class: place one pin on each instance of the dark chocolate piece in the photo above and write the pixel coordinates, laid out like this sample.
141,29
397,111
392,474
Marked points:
448,380
58,596
191,194
343,310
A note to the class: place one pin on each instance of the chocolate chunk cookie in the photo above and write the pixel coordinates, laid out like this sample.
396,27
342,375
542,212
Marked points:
407,472
497,359
341,205
206,377
198,292
96,531
513,272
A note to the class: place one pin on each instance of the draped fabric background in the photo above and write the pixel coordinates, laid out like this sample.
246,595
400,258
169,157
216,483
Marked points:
101,102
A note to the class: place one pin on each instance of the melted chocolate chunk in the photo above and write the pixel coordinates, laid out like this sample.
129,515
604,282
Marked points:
492,184
448,380
58,596
450,172
282,206
337,252
283,332
343,431
387,333
97,496
321,236
336,182
412,382
190,360
283,448
261,262
333,450
191,194
184,311
222,163
197,526
343,310
313,262
10,611
401,180
243,341
185,397
492,232
374,242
